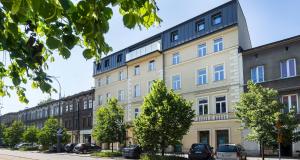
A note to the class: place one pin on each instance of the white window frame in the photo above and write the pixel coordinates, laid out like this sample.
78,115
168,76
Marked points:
90,105
71,107
198,105
197,76
151,65
121,95
108,96
175,58
286,62
226,102
121,75
224,72
218,44
108,79
137,90
137,70
99,82
290,101
150,83
176,89
201,49
136,112
257,74
100,99
85,104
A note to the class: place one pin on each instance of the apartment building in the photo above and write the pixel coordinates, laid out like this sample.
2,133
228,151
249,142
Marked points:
74,112
199,59
276,65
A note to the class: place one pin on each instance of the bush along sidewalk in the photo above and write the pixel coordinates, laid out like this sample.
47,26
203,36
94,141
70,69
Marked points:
159,157
107,154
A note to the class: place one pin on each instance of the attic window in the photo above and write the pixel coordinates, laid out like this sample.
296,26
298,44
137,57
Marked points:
119,58
106,63
200,25
174,36
217,18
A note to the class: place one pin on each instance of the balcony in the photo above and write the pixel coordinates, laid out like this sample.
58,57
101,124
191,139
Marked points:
155,46
215,117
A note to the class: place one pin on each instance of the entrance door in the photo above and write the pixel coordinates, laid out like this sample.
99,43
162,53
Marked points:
222,137
204,137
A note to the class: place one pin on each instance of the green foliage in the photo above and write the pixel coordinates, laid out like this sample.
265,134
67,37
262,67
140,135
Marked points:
107,154
260,110
158,157
13,134
32,31
48,134
164,114
109,127
2,129
35,148
30,135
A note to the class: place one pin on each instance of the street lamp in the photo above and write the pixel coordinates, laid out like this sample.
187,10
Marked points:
55,78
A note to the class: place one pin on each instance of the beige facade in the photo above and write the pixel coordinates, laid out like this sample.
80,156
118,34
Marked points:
217,125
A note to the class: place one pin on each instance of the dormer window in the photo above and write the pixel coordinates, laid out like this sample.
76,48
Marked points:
106,63
119,58
200,25
216,19
174,36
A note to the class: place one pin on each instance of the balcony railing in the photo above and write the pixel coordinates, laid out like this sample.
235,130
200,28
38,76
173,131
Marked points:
155,46
215,117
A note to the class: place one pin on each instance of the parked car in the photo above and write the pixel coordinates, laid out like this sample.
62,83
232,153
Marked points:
53,148
69,147
200,151
132,151
85,148
22,145
231,152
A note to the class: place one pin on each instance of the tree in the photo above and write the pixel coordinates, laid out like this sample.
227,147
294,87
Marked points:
32,31
260,110
48,134
165,118
13,134
30,135
2,129
109,127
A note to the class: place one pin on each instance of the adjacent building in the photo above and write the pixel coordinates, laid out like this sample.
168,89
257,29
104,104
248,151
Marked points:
276,65
199,59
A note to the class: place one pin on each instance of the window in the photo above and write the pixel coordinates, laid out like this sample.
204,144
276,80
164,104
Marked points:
257,74
203,106
219,72
121,75
89,122
108,95
121,95
71,107
176,58
288,68
106,63
218,44
204,137
99,82
290,101
201,50
151,65
83,122
67,109
150,83
137,70
119,58
137,90
217,19
176,84
108,80
200,25
136,112
222,137
90,103
85,104
221,104
100,100
174,36
201,76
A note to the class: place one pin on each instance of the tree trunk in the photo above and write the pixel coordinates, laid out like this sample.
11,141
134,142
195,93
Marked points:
263,151
112,147
162,151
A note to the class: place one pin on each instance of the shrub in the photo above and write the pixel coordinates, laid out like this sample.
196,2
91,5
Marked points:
107,154
29,148
159,157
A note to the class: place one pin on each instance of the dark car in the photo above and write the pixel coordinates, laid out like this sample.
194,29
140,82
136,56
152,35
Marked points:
132,151
231,151
53,148
69,147
85,148
200,151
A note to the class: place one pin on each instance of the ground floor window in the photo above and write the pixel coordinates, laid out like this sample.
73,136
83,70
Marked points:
290,101
204,137
87,138
222,137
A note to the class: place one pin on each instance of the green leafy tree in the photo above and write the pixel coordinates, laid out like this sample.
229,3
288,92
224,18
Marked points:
47,136
30,135
165,118
32,31
260,111
13,134
2,129
109,127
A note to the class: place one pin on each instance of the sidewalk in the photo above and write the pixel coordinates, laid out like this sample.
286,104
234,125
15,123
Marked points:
271,158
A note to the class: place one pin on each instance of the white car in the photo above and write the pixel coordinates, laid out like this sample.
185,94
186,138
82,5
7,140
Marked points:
231,152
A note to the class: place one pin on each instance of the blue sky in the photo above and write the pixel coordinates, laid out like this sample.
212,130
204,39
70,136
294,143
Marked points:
268,21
